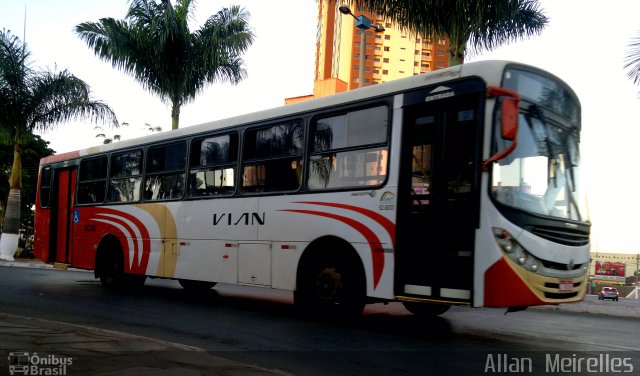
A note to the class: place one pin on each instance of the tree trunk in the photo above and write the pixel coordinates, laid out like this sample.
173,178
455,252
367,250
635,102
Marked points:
457,49
175,115
11,225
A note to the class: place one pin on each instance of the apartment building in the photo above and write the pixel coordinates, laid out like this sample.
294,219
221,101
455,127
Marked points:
389,54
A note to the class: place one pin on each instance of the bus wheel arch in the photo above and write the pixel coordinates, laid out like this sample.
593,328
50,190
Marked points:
331,280
109,265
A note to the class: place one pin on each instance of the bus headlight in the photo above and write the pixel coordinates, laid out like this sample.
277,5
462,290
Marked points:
515,251
504,239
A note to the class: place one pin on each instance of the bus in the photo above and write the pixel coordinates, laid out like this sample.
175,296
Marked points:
456,187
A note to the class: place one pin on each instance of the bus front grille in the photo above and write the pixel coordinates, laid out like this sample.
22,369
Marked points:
574,238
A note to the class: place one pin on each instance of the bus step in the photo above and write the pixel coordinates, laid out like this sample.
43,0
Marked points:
60,265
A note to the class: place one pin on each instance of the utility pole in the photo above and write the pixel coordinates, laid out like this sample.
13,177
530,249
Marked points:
637,272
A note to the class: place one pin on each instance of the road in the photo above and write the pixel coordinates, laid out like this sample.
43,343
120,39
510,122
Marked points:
261,327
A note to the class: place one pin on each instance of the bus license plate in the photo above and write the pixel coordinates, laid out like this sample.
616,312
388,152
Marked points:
566,285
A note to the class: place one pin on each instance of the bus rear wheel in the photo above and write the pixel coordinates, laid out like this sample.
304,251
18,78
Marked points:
426,309
331,288
110,268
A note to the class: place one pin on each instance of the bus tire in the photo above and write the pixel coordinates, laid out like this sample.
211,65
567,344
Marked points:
426,309
192,285
110,267
331,285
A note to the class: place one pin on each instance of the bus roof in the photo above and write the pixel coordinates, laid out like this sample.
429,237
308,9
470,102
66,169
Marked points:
490,70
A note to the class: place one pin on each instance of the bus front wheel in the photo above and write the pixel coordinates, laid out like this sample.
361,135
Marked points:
331,287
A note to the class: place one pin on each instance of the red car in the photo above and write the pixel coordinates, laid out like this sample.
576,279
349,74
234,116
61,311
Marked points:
609,293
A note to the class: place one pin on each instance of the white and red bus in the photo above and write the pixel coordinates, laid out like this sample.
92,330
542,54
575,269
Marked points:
456,187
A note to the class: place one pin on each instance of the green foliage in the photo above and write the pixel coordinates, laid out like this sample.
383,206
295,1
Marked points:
480,24
34,100
155,46
32,151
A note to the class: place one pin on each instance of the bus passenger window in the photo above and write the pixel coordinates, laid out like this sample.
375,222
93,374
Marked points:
273,158
125,177
92,181
164,175
212,166
45,187
350,150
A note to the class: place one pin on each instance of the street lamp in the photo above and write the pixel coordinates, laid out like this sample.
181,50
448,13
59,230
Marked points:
363,23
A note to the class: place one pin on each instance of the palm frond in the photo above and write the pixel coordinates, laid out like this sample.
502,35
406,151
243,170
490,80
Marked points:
632,60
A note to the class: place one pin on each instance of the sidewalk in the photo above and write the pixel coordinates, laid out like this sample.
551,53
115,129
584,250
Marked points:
69,349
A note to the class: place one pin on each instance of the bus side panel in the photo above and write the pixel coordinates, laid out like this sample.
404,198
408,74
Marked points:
41,236
361,218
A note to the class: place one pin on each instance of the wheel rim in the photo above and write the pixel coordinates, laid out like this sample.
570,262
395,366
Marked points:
329,285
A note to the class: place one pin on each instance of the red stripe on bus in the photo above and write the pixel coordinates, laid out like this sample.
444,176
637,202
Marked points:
377,253
503,287
140,267
389,226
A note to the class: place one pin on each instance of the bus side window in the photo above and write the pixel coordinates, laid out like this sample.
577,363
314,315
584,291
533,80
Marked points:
349,150
125,177
45,187
212,166
164,175
92,183
273,158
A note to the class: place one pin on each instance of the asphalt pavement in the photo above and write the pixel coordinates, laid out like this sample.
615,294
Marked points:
61,348
48,347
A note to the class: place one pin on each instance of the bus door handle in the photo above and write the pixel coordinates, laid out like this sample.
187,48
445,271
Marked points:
370,193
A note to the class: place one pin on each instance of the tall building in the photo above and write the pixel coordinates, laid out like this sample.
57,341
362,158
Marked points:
389,54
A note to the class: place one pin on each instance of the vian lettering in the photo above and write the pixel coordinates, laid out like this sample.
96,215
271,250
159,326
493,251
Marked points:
242,219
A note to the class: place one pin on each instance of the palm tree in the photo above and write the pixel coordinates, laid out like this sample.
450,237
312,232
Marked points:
481,24
32,100
633,60
154,45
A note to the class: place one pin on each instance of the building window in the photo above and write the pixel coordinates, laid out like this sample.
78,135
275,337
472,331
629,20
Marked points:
385,71
385,60
387,37
386,48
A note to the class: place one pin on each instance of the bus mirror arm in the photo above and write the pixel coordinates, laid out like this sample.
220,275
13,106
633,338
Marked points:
509,121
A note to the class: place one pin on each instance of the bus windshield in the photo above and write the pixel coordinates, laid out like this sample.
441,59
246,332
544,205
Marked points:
541,175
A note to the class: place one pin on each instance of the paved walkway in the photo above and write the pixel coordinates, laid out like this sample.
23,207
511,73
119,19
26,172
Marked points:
68,349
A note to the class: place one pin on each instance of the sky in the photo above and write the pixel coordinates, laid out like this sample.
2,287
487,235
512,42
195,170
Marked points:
585,43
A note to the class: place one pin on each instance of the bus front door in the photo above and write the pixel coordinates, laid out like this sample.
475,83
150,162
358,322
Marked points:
439,198
61,224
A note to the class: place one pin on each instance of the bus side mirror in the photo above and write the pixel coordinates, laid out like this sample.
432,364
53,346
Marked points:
509,121
510,112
